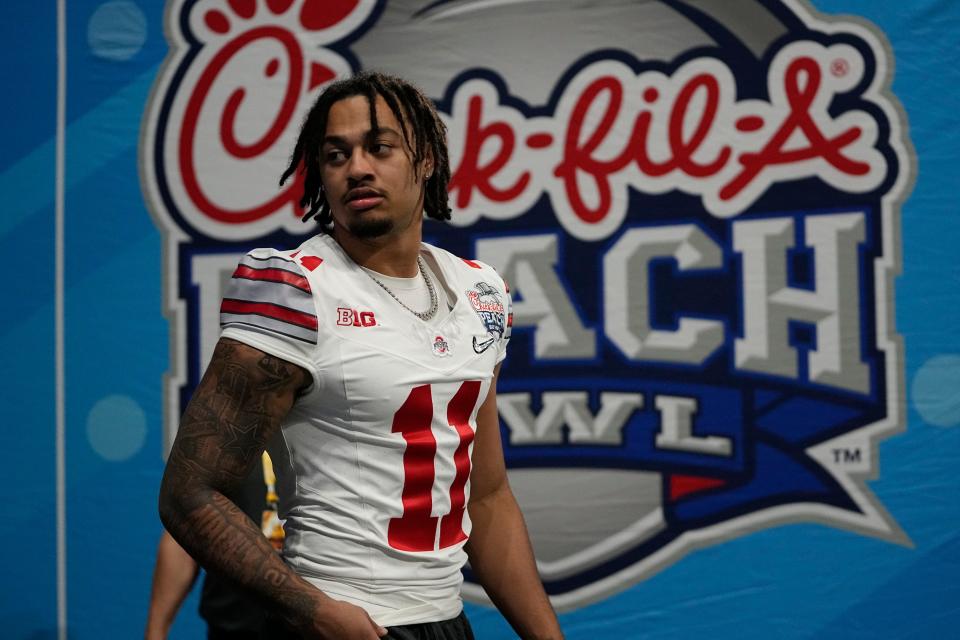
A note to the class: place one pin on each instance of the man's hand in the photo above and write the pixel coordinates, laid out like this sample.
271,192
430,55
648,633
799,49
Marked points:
338,620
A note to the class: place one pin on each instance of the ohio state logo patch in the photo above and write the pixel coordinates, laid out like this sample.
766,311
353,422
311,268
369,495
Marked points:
441,348
697,210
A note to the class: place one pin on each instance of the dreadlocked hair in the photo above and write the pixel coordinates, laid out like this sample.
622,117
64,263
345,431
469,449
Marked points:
422,130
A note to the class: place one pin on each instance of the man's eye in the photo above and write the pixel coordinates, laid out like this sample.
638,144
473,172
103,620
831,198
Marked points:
335,155
379,147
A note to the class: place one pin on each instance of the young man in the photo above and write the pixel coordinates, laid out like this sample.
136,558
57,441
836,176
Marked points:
368,360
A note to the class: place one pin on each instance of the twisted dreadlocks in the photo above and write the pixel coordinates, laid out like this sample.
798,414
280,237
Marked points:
413,110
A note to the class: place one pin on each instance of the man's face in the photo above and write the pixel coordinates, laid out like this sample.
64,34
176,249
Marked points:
368,175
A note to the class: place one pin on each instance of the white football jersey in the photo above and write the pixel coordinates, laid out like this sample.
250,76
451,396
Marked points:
373,462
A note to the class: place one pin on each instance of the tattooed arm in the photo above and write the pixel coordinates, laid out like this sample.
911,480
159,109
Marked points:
238,406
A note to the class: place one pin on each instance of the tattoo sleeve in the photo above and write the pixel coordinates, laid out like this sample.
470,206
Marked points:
238,406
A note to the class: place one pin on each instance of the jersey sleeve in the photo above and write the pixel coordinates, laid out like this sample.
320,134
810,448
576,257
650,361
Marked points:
507,322
269,305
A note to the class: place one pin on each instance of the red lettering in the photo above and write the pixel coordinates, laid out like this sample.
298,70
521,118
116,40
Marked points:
470,174
819,146
353,318
674,136
639,137
683,150
696,141
578,156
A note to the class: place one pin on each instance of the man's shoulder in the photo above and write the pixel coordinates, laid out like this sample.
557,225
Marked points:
463,267
292,254
270,294
301,260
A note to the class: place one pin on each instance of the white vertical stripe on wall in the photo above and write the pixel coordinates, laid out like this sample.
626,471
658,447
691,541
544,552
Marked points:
59,322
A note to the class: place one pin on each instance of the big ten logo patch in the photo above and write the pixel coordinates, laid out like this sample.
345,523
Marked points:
354,318
697,210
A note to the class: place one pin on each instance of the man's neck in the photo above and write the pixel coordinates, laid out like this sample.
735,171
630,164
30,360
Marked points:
391,255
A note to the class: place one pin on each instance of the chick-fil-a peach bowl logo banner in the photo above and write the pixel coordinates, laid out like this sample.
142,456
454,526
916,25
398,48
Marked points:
697,213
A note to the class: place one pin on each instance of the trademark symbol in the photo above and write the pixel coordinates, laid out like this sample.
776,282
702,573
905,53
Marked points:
847,456
839,67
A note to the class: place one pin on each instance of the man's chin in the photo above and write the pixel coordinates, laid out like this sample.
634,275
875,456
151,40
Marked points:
373,228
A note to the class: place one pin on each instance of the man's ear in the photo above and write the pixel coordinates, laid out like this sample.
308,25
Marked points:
428,164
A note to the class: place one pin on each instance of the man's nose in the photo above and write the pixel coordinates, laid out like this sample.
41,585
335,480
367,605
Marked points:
359,166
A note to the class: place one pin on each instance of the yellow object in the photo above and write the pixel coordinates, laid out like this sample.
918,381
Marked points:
270,522
268,477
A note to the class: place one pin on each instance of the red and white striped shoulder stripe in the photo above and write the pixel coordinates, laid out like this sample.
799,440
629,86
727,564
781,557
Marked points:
269,292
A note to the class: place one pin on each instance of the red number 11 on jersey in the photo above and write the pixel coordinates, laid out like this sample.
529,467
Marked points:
416,530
